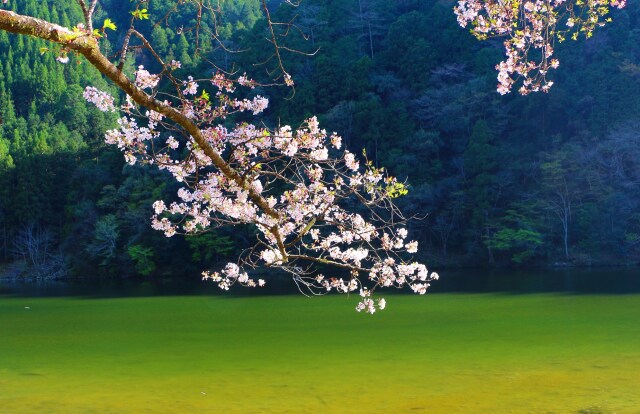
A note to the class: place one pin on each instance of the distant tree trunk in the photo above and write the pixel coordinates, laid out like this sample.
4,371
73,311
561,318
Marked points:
489,250
370,38
443,227
361,15
5,245
369,22
566,217
565,181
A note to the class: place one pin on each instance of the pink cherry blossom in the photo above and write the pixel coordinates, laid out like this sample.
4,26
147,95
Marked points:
102,100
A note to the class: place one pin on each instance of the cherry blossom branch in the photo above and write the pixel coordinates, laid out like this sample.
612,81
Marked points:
531,28
285,76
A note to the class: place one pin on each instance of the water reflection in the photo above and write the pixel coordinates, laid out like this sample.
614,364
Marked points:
591,281
578,281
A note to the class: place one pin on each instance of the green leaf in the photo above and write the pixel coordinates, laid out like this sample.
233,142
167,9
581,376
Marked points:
44,50
395,190
141,14
204,96
108,24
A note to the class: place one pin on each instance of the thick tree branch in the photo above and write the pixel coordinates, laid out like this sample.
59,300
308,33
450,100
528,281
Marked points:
87,45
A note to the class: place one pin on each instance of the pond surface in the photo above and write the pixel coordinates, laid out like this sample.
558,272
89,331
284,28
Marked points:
486,343
620,280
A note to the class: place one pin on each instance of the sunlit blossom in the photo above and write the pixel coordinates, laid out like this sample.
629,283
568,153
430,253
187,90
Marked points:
531,29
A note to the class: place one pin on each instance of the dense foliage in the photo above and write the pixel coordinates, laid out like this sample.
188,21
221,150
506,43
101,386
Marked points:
499,179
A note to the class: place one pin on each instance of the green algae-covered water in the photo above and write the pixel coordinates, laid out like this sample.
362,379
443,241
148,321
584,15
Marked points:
519,352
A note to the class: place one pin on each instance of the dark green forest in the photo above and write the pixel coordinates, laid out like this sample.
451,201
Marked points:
543,180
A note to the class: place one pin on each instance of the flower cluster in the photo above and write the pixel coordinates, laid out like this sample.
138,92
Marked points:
145,80
255,105
230,275
102,100
191,86
369,305
245,81
531,28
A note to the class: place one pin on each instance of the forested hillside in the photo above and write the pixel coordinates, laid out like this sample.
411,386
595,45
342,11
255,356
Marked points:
498,180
